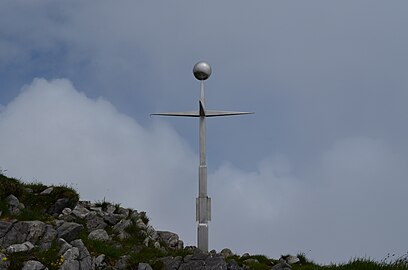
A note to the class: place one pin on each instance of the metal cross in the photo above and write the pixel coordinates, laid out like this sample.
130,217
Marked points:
202,72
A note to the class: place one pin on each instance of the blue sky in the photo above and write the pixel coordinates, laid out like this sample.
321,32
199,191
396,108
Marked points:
321,166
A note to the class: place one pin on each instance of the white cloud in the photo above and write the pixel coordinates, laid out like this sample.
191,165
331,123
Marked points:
55,134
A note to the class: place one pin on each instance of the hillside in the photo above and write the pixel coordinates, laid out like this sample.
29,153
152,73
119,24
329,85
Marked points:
49,227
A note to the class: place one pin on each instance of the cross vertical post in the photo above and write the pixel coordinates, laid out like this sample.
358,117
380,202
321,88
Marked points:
202,72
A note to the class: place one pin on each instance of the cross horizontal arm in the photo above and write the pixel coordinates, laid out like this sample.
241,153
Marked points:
187,114
210,113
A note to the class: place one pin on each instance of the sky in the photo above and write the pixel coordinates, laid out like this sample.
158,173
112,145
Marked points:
320,168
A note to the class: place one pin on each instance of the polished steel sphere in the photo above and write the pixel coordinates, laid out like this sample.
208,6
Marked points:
202,71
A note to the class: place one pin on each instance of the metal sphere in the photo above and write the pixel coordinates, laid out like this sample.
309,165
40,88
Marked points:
202,71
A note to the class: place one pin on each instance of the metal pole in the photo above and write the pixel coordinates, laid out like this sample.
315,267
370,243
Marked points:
203,203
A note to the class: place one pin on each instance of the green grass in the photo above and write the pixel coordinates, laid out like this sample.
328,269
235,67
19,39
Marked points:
146,255
36,205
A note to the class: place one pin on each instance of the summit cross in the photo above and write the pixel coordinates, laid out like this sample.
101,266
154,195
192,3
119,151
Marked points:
202,72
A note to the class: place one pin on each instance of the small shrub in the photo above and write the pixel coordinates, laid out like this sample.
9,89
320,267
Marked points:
102,204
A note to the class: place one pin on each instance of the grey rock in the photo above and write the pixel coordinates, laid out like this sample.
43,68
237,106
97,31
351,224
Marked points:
110,219
71,261
193,265
80,211
146,241
93,222
290,259
171,263
45,246
12,201
96,209
233,265
33,265
66,211
47,191
171,239
110,209
199,256
151,232
37,230
5,227
84,258
144,266
99,262
226,252
123,212
60,205
251,260
24,247
140,224
69,231
64,246
99,234
282,266
15,206
122,262
122,225
215,262
21,231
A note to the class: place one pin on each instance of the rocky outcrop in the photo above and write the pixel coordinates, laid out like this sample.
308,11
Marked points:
75,224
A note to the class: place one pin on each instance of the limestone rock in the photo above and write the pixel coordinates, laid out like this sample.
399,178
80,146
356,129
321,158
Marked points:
94,221
215,261
251,260
171,239
84,258
60,205
26,246
80,211
99,262
110,219
282,266
21,231
47,191
71,259
99,234
34,265
171,263
226,252
144,266
152,233
290,259
15,206
64,246
69,230
122,225
66,211
233,265
140,224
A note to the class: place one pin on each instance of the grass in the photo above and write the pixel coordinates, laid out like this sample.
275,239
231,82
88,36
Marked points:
36,205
